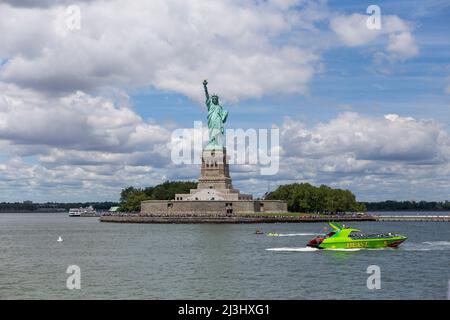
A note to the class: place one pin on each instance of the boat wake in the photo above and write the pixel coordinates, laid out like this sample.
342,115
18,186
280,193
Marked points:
426,246
437,243
295,234
310,249
304,249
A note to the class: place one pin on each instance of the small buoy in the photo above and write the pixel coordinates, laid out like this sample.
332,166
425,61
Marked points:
60,239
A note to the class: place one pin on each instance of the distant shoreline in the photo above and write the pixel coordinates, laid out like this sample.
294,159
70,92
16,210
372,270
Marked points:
62,210
33,211
237,219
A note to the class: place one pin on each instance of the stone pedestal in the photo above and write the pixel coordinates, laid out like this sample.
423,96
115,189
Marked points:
214,197
215,171
215,181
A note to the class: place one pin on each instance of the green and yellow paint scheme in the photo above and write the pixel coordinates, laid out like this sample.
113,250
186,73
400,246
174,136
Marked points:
273,234
348,238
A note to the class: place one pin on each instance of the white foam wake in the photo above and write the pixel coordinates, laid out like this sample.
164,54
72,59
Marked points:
426,246
437,243
305,249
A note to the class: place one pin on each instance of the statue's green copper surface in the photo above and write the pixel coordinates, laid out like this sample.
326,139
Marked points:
217,116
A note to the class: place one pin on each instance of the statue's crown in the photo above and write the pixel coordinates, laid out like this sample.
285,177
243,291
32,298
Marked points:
214,95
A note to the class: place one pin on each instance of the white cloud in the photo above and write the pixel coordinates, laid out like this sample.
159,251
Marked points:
246,48
171,45
77,121
373,156
20,180
402,45
76,147
40,3
56,128
390,138
377,157
352,30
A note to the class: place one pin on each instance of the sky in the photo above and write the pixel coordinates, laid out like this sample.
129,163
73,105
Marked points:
91,92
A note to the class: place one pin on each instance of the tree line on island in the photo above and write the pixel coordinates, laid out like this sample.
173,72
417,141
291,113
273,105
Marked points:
28,206
131,197
304,197
300,197
412,205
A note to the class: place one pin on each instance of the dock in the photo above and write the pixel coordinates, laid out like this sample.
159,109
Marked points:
422,218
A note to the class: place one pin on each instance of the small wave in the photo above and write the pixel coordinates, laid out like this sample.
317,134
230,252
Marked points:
437,243
415,248
305,249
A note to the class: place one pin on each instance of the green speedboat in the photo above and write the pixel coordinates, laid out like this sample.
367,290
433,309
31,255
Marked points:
347,238
273,234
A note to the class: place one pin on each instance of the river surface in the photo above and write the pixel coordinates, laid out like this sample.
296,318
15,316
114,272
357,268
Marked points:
410,213
144,261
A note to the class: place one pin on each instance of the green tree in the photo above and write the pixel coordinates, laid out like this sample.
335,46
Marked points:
131,197
305,197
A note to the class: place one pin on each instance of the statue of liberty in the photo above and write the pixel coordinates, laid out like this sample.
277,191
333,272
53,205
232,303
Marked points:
217,116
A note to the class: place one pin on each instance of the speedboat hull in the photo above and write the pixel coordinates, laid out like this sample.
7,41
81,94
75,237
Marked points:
346,238
393,242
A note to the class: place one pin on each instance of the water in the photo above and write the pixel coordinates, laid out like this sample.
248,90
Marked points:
138,261
410,213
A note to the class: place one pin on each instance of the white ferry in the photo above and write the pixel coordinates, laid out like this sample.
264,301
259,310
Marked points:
82,212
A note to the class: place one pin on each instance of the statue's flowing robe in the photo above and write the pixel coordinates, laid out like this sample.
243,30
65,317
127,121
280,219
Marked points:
217,116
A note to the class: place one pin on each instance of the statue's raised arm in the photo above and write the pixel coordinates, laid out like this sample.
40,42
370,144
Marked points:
205,83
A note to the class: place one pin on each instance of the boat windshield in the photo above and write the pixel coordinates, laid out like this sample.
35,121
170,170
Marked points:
357,235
